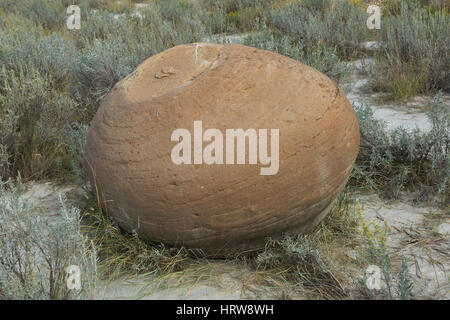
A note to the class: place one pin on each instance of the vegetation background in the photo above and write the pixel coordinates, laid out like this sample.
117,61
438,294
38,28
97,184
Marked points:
52,81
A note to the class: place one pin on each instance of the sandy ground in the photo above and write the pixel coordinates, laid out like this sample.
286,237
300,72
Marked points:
409,115
420,233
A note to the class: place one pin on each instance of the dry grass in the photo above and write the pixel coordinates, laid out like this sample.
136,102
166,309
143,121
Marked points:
290,266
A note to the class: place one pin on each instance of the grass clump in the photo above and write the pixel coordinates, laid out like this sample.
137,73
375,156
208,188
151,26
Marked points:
35,250
339,226
414,57
394,7
124,254
309,262
48,13
296,260
235,16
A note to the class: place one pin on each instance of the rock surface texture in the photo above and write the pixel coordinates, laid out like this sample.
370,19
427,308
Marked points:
221,208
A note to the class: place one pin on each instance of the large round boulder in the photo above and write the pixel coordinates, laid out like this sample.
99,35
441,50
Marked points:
159,154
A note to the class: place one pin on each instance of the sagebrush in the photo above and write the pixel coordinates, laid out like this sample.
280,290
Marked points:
36,249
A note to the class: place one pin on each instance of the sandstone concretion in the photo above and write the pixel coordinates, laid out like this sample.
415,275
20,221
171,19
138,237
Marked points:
220,208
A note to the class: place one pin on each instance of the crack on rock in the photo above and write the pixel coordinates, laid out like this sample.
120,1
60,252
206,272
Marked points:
165,72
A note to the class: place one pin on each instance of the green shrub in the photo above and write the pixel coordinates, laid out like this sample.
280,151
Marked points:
228,6
111,6
339,224
76,141
244,20
173,10
185,19
98,67
35,251
216,22
48,13
49,55
414,58
317,5
323,59
234,16
394,7
405,285
34,121
298,261
342,27
96,25
393,160
17,24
